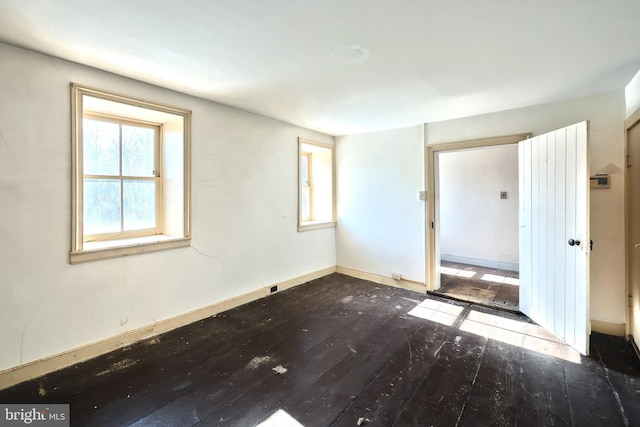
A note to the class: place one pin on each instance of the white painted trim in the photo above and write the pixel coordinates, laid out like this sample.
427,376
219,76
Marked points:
632,120
133,246
49,364
500,265
480,143
302,140
383,280
314,225
427,213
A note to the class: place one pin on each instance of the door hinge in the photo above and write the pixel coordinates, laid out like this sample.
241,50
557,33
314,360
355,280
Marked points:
432,226
629,160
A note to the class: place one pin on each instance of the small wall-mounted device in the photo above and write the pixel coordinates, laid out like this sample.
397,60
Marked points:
600,180
503,194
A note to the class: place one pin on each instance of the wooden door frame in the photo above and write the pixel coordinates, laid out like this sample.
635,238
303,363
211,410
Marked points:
630,122
432,244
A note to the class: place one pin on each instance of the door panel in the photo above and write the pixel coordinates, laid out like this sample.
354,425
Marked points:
554,208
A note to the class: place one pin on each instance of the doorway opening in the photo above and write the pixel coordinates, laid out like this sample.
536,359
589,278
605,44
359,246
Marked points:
553,226
476,240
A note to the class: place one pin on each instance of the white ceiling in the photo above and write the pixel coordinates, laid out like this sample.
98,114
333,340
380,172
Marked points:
346,66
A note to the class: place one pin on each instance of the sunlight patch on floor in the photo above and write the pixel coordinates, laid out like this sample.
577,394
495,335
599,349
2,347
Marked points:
436,311
500,279
280,418
510,331
456,272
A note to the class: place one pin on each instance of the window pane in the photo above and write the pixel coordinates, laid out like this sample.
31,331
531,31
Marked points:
304,169
138,147
100,147
101,206
139,205
305,205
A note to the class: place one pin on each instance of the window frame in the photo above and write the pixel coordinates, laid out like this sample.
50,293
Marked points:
315,223
175,235
156,178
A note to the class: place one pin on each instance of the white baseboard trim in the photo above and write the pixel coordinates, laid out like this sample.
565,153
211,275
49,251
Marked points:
499,265
384,280
617,329
55,362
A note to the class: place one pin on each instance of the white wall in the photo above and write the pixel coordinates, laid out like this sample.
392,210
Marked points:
244,216
476,225
606,113
381,221
632,94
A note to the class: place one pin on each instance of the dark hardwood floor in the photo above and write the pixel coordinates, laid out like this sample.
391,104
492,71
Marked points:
341,351
480,285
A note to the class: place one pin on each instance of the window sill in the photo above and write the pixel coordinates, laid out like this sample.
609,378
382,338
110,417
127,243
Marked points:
94,251
314,225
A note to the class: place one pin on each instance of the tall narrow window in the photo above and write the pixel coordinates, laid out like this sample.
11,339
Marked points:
131,176
316,185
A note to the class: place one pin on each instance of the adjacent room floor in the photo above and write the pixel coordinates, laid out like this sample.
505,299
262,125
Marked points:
345,352
480,285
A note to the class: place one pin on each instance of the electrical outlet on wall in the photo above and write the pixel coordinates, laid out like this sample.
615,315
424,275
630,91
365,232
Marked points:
396,276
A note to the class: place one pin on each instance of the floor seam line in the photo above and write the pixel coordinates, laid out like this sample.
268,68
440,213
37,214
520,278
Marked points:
475,377
613,389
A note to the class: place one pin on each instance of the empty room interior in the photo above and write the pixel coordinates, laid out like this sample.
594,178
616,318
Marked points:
477,194
289,213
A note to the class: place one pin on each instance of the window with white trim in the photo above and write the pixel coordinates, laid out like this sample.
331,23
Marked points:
131,176
316,185
122,186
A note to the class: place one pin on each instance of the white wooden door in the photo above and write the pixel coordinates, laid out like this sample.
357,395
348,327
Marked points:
554,233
